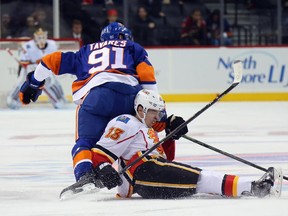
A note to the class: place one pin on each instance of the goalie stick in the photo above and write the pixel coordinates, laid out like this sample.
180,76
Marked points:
227,154
238,71
79,187
25,65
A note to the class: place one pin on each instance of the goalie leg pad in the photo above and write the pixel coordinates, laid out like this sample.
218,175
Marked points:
13,101
162,179
55,92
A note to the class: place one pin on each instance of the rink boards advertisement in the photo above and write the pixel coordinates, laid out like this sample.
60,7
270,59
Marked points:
197,74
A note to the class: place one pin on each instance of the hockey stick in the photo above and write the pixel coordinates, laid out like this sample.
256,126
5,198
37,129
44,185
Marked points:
227,154
238,71
16,59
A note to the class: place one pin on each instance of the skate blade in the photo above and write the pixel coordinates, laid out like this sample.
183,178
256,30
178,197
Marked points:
85,189
276,190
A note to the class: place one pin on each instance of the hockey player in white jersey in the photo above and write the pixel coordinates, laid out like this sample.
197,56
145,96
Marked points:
30,55
126,137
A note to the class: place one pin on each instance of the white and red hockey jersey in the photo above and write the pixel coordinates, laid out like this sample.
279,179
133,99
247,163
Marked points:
126,138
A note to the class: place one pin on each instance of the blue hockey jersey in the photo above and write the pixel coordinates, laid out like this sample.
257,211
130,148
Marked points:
101,62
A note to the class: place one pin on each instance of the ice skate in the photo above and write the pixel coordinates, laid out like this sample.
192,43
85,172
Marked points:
87,184
270,184
262,187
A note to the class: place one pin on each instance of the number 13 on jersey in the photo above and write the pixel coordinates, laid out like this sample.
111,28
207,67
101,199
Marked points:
114,133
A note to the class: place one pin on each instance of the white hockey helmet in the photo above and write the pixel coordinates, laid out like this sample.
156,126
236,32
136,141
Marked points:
149,99
40,38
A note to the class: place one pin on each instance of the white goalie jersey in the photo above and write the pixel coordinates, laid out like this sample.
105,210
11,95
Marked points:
31,53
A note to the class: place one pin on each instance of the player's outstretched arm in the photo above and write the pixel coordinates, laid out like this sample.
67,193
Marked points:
31,89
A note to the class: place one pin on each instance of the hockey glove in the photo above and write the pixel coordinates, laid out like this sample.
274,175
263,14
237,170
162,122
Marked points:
172,123
108,176
31,89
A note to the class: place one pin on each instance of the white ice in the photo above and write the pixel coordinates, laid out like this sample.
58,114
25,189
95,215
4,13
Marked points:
35,161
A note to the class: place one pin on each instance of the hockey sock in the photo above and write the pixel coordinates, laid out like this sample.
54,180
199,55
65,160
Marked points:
222,184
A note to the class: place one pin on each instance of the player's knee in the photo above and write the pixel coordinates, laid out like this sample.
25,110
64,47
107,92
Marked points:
82,144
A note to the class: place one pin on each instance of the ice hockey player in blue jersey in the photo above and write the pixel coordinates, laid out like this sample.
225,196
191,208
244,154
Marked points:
109,75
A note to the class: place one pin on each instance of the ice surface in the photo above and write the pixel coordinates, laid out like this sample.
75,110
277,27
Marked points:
35,161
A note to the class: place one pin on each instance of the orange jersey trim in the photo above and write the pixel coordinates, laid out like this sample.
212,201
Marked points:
53,61
145,72
79,84
21,97
82,155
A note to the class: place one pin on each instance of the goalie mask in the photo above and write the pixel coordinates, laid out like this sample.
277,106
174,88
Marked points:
40,38
149,99
115,31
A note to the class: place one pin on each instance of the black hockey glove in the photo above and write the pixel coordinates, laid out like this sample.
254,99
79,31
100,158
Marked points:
31,89
108,175
172,123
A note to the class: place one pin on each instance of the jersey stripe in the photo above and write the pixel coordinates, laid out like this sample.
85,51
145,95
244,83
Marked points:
145,73
126,139
84,155
144,137
102,151
162,184
53,61
229,185
78,84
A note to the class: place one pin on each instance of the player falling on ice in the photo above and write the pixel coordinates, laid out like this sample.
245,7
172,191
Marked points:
127,137
30,56
109,75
